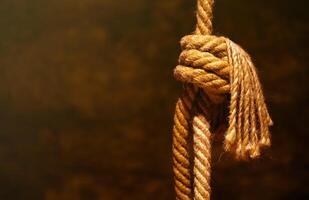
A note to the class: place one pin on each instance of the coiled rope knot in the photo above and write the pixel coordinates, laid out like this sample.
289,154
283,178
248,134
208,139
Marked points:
220,67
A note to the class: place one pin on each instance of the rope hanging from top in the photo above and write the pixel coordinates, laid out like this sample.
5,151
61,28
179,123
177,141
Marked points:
214,70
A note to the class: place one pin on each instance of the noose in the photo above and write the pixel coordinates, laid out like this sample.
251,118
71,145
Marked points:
214,69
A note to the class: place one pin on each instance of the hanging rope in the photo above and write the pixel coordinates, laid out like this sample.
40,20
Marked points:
214,69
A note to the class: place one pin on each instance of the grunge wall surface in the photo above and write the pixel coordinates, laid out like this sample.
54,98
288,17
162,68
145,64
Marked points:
87,97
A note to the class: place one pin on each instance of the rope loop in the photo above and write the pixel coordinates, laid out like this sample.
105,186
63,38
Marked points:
203,62
220,67
214,69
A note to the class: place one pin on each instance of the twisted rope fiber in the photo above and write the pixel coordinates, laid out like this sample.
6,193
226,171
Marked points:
201,125
214,68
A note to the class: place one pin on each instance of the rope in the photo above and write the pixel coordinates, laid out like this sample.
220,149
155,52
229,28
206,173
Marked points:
201,126
214,69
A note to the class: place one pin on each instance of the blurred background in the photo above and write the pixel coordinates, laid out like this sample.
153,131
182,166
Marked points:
87,97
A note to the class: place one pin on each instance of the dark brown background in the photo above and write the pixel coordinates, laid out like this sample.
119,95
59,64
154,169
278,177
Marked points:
87,97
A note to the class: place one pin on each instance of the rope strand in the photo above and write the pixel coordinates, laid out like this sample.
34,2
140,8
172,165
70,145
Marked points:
201,120
212,68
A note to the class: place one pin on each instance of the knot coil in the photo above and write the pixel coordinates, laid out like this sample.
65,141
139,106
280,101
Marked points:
223,69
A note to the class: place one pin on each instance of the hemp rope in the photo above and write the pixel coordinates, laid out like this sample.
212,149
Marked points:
214,69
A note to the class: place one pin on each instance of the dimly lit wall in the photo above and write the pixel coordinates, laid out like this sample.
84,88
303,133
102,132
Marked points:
87,97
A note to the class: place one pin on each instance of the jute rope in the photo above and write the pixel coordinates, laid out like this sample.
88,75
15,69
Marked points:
214,69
